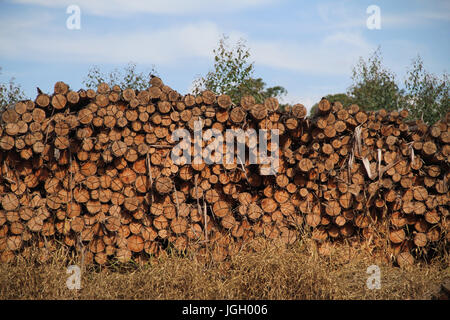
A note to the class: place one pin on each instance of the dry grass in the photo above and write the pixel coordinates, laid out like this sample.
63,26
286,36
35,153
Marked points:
272,272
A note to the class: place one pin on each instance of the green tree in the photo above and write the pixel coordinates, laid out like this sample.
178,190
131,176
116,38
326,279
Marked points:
128,77
427,95
341,97
10,93
374,87
233,75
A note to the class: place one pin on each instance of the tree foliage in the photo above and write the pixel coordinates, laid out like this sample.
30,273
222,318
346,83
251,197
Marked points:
427,95
233,75
10,93
374,86
128,77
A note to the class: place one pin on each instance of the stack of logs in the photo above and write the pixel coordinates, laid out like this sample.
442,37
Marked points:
92,170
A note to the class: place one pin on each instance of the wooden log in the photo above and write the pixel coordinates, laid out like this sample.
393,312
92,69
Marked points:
224,101
163,185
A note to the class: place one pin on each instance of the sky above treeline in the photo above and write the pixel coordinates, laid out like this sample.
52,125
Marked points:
308,47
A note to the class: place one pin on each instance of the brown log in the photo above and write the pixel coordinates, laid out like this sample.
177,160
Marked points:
258,111
405,259
59,101
163,185
324,106
224,101
135,243
397,236
237,115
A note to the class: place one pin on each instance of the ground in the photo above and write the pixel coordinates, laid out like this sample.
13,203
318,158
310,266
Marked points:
269,272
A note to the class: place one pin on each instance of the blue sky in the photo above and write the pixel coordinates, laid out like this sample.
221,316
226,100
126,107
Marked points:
309,47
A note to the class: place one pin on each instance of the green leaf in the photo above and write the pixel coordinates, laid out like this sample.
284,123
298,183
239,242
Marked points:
232,74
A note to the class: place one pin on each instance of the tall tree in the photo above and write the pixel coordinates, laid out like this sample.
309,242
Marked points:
233,75
128,77
427,95
10,93
374,86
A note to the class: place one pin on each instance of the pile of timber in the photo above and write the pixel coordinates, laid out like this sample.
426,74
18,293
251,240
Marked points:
92,170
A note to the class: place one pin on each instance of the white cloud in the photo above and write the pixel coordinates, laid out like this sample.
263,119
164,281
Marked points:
411,19
125,7
334,54
341,15
42,40
350,15
160,46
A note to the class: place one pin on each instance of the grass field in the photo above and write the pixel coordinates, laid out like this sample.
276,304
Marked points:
271,272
